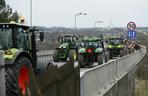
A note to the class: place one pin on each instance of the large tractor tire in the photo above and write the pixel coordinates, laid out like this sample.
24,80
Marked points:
56,56
122,52
106,57
101,59
110,54
17,78
81,60
72,55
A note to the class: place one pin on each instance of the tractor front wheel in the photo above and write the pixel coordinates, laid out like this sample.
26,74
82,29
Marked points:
72,55
122,52
100,59
56,56
17,78
81,60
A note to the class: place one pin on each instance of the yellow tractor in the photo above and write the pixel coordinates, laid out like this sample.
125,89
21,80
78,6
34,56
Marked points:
18,43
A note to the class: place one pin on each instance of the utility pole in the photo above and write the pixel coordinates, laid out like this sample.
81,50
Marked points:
30,12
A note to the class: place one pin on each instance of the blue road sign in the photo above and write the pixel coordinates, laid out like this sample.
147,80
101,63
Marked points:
131,34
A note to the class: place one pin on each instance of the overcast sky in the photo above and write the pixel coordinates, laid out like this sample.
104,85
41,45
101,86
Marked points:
61,12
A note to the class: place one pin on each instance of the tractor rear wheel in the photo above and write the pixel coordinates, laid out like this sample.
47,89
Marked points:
100,59
81,60
17,78
56,56
72,55
121,52
106,57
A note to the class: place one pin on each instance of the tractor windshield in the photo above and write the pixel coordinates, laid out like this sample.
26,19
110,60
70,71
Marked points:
5,38
115,41
92,44
67,39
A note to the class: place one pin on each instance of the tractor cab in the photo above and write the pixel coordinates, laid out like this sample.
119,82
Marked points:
68,39
13,36
91,43
115,41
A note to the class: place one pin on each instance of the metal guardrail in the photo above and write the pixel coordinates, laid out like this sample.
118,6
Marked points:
2,75
98,80
45,54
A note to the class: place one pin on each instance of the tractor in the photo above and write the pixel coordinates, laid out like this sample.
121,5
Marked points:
115,47
19,46
91,50
67,49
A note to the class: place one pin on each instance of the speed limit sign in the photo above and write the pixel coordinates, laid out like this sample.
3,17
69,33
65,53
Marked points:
131,26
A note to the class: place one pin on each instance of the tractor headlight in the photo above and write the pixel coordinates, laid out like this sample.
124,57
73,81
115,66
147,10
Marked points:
8,52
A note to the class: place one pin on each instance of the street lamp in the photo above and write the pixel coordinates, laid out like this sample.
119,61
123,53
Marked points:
97,22
30,12
78,14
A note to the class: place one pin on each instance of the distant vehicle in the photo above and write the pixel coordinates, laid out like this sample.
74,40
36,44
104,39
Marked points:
91,50
67,48
115,47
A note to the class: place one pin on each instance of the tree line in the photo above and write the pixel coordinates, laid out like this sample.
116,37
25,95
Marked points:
6,13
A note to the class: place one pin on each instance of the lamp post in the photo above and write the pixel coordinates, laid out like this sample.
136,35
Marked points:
78,14
97,22
30,12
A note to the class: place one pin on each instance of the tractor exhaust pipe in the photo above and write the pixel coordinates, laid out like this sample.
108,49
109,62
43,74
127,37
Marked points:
33,48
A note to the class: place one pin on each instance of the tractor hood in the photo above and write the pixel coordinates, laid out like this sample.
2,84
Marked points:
9,54
98,50
114,46
64,45
82,50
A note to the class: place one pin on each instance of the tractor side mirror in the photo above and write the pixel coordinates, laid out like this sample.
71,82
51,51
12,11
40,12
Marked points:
59,39
76,38
42,36
81,44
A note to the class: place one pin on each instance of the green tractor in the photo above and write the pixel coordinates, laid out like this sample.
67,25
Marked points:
115,47
67,49
91,50
18,43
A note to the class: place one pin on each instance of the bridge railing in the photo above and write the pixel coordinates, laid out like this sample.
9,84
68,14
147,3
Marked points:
45,54
96,81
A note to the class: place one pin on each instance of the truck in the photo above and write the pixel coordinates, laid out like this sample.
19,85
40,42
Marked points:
92,50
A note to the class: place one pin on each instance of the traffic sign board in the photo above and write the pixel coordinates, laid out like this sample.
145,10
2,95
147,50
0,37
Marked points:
131,26
132,34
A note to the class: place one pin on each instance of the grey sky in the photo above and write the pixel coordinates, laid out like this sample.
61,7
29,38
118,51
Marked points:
61,12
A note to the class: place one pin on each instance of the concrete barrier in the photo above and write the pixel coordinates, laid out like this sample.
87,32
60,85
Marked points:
2,75
56,81
98,80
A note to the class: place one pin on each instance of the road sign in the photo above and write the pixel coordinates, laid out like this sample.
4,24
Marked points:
131,26
132,34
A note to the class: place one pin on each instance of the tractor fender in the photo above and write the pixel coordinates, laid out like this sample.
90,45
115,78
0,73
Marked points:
20,53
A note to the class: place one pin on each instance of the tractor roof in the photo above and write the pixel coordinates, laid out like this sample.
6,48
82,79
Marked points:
68,35
114,38
2,25
90,39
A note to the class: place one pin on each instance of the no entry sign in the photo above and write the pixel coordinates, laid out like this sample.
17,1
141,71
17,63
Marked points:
131,26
